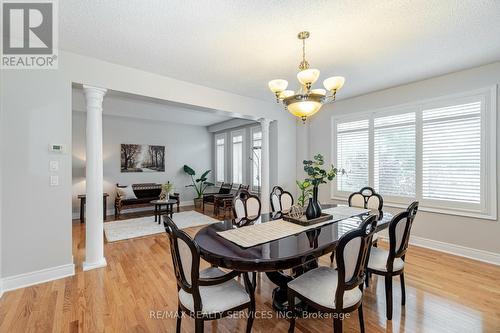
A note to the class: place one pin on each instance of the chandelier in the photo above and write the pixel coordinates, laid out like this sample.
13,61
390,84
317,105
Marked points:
306,101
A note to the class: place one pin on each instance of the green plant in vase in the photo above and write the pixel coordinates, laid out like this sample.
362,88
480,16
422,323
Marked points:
199,184
165,190
317,175
305,192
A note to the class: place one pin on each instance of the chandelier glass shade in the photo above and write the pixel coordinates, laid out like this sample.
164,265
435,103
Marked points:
306,101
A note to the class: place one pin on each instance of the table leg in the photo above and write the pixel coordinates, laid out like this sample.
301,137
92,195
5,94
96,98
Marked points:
156,209
82,210
171,210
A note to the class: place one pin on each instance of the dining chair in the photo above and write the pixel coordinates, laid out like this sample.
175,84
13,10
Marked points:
243,187
281,200
391,263
209,198
246,205
366,198
337,291
208,294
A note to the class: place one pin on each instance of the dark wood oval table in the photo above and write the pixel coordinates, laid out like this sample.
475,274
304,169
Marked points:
298,252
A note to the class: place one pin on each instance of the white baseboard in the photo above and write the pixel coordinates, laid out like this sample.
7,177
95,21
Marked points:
36,277
111,212
458,250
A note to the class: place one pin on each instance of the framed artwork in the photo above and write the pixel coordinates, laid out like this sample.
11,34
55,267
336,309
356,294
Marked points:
142,158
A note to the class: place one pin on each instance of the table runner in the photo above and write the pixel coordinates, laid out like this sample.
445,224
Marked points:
266,232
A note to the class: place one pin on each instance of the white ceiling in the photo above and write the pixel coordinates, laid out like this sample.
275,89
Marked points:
239,46
139,107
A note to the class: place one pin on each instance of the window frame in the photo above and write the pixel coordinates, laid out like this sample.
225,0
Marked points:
217,137
243,165
253,130
488,204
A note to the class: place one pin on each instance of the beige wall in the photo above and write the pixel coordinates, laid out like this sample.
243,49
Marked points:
469,232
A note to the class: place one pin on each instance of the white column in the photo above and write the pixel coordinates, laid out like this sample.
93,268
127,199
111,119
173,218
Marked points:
94,244
265,191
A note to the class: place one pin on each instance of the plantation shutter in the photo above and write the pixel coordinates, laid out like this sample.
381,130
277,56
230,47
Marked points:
394,155
352,155
451,153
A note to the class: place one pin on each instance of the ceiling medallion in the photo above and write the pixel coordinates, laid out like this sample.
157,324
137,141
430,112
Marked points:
306,101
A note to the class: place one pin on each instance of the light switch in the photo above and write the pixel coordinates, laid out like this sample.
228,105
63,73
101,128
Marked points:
54,166
54,180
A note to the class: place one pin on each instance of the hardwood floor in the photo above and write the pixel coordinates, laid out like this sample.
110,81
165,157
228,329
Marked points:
137,289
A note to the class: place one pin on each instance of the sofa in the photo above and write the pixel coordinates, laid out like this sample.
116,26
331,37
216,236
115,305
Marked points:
145,193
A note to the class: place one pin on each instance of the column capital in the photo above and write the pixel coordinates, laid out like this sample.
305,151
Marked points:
94,90
264,122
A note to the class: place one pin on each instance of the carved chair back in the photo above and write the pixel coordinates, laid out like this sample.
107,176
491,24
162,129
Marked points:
281,200
399,233
366,198
351,254
186,260
246,205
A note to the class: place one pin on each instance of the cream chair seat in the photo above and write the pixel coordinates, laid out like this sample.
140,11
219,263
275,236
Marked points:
320,285
217,298
378,260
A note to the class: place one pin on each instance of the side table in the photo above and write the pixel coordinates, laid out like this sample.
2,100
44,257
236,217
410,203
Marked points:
83,201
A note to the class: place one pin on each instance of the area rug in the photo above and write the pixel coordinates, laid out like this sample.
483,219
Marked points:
126,229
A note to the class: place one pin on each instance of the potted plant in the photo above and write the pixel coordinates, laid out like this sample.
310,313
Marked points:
200,184
316,176
305,192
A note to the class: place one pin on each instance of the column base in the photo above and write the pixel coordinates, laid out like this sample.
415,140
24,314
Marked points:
87,266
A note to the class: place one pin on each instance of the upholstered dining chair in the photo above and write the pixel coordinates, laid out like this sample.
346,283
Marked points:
208,294
281,200
209,198
366,198
391,263
246,205
337,291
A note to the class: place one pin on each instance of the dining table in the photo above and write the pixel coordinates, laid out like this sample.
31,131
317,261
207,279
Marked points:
281,259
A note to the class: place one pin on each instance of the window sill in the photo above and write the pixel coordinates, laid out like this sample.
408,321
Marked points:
443,211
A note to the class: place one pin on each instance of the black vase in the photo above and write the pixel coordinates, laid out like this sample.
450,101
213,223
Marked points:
316,201
313,208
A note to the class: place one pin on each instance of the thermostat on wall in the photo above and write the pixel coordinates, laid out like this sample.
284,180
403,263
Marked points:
57,148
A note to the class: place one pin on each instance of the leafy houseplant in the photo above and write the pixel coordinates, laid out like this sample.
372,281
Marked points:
317,175
200,184
305,192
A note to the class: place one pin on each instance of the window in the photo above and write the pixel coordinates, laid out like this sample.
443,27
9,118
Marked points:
451,153
255,155
352,155
394,155
220,157
237,156
441,152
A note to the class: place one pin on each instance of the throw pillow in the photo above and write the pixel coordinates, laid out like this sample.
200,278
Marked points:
126,192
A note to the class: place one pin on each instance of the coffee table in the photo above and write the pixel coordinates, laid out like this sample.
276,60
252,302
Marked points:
169,208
